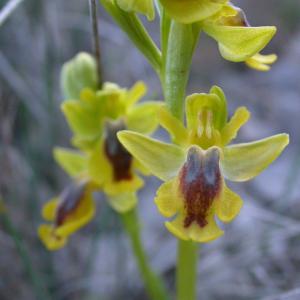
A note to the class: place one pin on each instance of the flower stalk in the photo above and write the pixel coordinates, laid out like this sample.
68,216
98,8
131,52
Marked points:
177,60
186,275
153,284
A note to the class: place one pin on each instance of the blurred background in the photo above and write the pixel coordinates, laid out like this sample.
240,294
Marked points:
259,256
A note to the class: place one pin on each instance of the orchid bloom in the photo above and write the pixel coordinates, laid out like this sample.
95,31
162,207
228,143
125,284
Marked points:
95,119
69,212
195,166
188,11
237,40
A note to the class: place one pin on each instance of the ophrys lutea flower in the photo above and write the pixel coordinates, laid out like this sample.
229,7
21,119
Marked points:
199,161
68,212
238,41
101,163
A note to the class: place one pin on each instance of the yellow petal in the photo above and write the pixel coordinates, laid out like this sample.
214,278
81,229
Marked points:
261,62
162,159
82,215
230,130
73,162
190,11
176,129
143,118
228,205
167,199
50,239
124,202
244,161
194,232
136,93
49,209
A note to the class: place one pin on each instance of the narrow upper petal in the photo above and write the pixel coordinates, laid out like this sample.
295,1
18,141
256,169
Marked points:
239,43
175,127
230,130
136,93
162,159
242,162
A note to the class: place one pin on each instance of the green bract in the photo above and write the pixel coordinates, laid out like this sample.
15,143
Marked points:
77,74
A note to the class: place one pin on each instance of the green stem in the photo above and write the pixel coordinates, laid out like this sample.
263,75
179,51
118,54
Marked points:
186,270
153,283
176,64
137,33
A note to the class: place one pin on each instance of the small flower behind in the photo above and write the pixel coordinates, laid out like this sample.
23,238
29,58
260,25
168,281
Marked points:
101,163
73,209
237,40
196,165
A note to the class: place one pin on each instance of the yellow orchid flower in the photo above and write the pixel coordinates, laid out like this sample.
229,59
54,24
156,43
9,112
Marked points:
237,40
69,212
187,11
95,120
199,161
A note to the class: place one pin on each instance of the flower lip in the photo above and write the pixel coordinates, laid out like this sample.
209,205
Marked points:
118,156
200,182
69,201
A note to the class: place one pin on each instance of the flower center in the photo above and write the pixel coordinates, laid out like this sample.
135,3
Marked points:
118,156
69,201
200,183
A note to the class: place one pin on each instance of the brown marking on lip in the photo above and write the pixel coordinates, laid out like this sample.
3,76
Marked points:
69,201
119,157
200,184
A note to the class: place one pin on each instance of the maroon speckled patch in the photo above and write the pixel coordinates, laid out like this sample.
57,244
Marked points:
118,156
69,201
200,183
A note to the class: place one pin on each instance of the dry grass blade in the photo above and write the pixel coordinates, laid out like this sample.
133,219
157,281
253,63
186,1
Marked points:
8,9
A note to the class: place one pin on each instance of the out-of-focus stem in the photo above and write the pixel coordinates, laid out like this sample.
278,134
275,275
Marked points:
186,275
153,283
96,43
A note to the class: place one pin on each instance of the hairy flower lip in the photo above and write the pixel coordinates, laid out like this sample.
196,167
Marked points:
200,182
119,157
69,201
